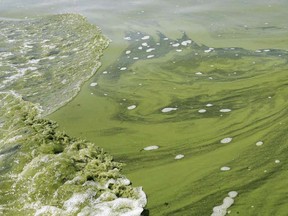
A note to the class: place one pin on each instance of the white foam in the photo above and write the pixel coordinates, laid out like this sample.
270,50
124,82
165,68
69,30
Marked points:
185,43
259,143
165,38
225,110
232,194
226,140
208,50
128,52
209,105
93,84
140,47
131,107
136,58
225,168
144,44
123,68
150,56
202,111
178,157
104,72
127,38
149,148
168,109
179,50
277,161
198,73
145,37
73,204
221,210
176,45
150,49
48,210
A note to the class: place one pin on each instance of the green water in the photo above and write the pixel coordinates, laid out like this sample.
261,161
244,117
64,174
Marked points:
250,83
249,80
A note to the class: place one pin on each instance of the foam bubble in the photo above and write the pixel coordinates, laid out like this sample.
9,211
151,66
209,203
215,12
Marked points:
123,68
202,111
259,143
277,161
226,140
225,168
178,157
232,194
209,105
150,56
128,52
208,50
150,49
225,110
127,38
185,43
93,84
145,37
198,73
131,107
150,148
168,109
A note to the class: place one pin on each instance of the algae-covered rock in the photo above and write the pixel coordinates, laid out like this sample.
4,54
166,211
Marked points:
46,172
46,60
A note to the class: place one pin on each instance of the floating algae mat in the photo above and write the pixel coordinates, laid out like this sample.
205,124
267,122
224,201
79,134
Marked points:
224,109
44,171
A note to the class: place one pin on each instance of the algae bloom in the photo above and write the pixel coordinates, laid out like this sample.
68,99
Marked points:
44,171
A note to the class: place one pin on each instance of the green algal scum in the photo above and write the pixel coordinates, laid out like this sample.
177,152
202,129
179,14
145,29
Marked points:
44,171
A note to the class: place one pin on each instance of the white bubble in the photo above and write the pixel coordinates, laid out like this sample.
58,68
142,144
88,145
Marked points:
225,168
259,143
202,111
168,109
150,49
232,194
93,84
225,110
131,107
176,45
178,157
226,140
149,148
145,37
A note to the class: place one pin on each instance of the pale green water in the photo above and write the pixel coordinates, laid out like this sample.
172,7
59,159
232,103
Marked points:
251,84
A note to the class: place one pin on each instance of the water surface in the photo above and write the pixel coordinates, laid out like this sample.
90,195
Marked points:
229,82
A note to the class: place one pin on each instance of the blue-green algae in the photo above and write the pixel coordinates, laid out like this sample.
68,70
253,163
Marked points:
43,171
46,172
244,95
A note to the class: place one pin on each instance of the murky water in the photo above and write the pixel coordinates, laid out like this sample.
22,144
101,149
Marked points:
201,79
